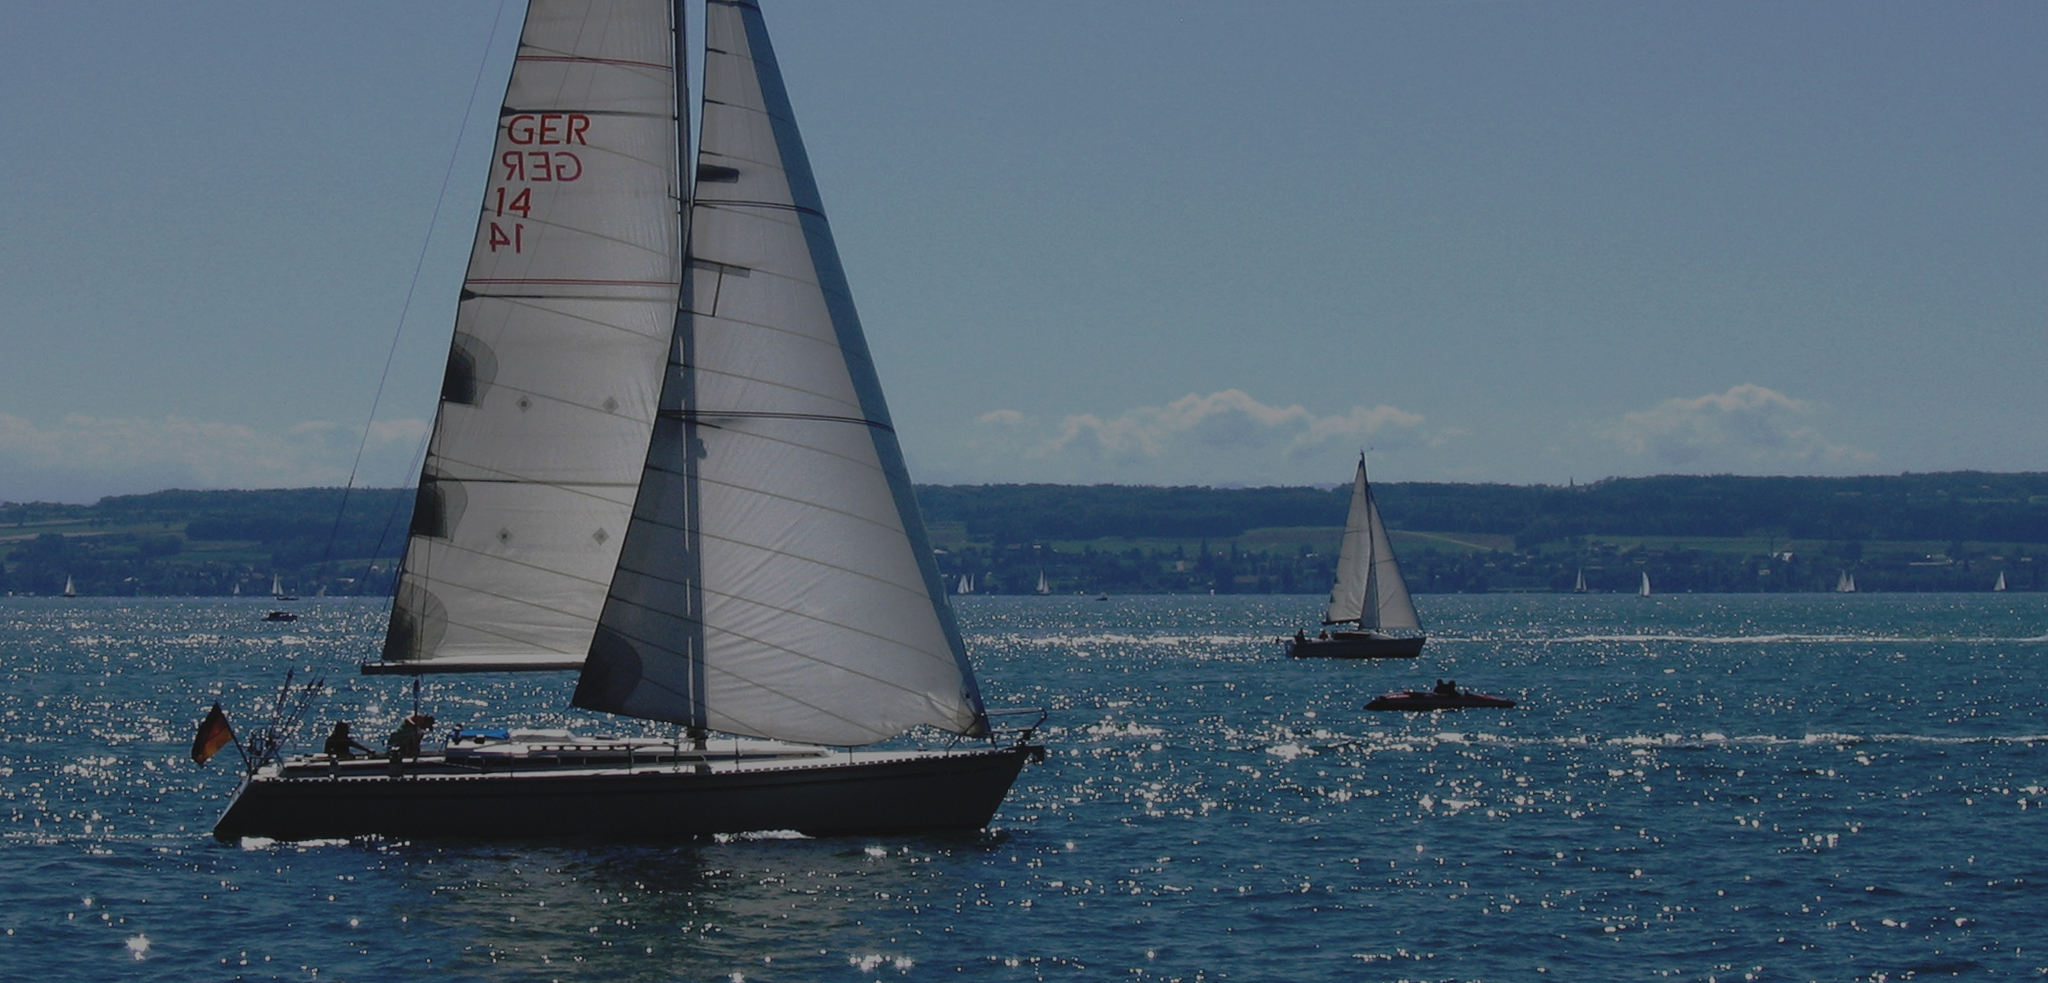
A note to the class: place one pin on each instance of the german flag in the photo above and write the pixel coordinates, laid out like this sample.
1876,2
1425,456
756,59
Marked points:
214,734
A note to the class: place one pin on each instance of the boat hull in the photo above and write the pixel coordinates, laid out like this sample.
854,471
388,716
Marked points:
1421,701
869,792
1356,645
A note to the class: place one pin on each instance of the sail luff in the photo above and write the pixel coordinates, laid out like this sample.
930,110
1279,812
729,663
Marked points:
777,564
567,309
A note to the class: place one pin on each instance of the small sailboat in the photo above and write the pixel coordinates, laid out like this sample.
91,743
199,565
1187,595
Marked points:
277,589
1043,586
965,586
70,588
1846,583
2001,582
1369,591
1579,585
1644,590
671,471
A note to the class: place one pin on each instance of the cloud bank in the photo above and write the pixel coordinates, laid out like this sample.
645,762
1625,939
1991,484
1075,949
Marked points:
82,458
1747,427
1195,438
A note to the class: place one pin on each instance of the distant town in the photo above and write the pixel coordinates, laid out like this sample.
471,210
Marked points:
1958,531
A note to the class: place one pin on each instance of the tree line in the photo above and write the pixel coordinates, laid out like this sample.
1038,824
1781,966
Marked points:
1126,538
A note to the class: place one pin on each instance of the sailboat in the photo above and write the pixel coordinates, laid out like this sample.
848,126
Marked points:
2001,582
1043,586
1644,590
1579,585
1846,583
70,588
277,589
966,585
1369,591
662,460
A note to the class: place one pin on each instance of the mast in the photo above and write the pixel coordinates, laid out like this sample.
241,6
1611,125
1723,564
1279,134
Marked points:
776,580
566,315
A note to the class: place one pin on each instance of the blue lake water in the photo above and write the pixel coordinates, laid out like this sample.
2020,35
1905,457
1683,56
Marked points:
1809,787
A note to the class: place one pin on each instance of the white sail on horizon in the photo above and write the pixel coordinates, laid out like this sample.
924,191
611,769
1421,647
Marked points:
1369,589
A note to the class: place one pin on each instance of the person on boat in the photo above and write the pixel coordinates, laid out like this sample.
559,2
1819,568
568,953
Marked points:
341,746
1446,687
405,741
1323,635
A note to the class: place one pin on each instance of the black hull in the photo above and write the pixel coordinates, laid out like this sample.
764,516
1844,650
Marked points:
1421,702
890,793
1375,647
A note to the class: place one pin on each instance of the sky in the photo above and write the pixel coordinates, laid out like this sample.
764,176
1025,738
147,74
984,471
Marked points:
1143,242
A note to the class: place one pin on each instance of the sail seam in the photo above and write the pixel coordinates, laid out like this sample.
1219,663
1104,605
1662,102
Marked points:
584,59
564,281
454,547
707,416
741,203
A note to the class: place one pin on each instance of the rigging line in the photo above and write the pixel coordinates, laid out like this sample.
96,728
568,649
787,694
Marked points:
419,266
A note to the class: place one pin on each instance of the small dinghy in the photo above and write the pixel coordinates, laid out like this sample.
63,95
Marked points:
1443,698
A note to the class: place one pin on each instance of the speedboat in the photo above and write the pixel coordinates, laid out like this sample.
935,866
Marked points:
1419,699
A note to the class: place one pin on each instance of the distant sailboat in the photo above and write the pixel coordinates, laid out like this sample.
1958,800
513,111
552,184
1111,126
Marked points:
2001,582
1846,583
965,586
1579,586
663,460
1644,591
1369,591
1043,587
277,589
70,589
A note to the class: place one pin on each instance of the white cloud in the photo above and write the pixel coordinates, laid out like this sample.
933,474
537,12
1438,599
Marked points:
1747,426
1191,436
82,458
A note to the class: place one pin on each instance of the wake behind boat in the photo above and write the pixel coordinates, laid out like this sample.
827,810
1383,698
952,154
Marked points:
1369,592
670,471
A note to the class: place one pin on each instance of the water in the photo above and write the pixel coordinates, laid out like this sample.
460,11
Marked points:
1697,788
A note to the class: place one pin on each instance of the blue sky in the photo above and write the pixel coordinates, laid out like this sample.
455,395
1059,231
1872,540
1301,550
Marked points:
1141,242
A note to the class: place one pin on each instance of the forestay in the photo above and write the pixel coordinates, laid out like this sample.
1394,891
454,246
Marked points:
776,580
566,316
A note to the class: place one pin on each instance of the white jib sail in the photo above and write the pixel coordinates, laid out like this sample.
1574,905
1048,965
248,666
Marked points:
1369,588
776,581
566,316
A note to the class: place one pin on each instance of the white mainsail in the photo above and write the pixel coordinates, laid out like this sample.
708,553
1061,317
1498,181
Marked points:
2001,581
776,580
1579,586
1043,587
567,312
1369,589
1846,583
1644,591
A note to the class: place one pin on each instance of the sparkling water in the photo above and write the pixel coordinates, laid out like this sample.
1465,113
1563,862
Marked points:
1764,787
